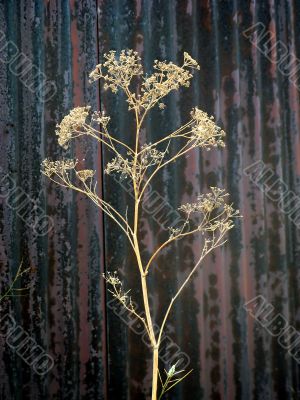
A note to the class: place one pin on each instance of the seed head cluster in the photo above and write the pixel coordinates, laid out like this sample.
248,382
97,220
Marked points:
60,167
100,118
167,77
215,213
71,124
118,72
85,174
204,131
120,165
148,157
117,291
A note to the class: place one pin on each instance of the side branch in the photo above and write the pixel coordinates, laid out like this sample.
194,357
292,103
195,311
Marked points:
100,136
12,291
204,253
107,208
186,148
162,246
122,297
172,135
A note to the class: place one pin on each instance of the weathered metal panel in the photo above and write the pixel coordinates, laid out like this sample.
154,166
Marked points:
64,312
255,97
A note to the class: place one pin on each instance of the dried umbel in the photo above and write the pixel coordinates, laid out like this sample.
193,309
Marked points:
57,168
204,131
210,215
100,118
167,77
120,165
150,156
115,287
71,125
85,174
118,72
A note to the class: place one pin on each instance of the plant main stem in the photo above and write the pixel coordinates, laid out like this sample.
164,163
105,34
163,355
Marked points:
143,273
154,373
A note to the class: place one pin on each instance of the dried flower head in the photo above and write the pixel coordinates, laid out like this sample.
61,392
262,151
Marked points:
71,124
118,292
206,202
205,133
118,72
167,77
120,165
216,214
189,61
150,156
59,168
112,278
85,174
100,118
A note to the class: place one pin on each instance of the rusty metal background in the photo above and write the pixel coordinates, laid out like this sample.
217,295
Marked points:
96,355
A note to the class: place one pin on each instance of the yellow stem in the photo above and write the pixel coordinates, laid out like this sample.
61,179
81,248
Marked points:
140,265
154,373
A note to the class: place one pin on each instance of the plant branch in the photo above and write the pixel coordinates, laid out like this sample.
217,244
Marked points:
103,205
11,289
203,254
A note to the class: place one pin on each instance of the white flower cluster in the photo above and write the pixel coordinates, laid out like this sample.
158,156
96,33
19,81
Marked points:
85,174
205,133
70,124
216,213
50,168
118,71
150,156
100,118
120,165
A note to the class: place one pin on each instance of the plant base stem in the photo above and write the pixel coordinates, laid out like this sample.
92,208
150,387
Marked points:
155,373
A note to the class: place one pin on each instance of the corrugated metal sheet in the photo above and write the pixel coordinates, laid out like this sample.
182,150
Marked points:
96,355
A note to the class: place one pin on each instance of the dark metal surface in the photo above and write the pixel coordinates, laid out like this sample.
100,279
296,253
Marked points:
96,355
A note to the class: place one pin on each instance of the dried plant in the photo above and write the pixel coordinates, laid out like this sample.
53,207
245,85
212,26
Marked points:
210,215
12,290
